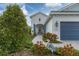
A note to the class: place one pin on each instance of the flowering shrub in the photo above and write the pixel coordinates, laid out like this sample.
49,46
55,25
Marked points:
51,37
40,49
67,50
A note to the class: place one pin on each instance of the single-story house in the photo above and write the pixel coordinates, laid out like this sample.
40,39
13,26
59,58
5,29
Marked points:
64,22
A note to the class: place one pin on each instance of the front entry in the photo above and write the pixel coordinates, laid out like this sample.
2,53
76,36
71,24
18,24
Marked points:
40,29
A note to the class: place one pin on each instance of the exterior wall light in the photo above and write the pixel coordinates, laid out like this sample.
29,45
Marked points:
39,19
56,24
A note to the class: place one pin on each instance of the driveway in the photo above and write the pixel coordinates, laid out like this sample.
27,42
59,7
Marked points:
74,43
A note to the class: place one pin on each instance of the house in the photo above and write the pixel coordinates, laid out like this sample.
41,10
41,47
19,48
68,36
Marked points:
64,23
38,21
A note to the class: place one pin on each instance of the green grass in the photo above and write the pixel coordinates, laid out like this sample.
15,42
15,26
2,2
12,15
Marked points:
56,41
76,52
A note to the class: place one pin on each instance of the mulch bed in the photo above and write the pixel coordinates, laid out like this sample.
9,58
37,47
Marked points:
22,53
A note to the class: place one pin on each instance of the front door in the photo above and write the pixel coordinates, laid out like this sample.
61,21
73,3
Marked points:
40,29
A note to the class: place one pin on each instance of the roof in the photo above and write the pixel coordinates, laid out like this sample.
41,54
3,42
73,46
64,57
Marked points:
38,13
67,6
63,11
72,7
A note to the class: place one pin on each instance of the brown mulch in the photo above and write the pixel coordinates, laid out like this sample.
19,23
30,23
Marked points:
22,53
25,53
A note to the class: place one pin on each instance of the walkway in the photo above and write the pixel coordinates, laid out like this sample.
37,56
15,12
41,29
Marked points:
74,43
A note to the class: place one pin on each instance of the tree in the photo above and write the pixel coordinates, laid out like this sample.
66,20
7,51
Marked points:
13,29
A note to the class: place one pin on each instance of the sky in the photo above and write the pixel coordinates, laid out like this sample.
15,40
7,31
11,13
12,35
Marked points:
31,8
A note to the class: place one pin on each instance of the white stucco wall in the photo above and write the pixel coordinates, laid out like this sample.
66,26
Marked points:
35,19
60,18
49,26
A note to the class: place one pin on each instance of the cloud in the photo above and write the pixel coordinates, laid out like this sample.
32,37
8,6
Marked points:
1,11
28,20
24,10
53,4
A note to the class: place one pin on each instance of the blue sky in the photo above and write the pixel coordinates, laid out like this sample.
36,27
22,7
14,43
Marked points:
43,7
31,8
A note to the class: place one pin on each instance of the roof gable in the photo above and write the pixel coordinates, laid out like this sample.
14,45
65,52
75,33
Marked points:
37,14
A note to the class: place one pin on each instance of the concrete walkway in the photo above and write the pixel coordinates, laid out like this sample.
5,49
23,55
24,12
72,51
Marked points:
74,43
37,38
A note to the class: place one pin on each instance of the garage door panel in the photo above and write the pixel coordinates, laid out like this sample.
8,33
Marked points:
69,30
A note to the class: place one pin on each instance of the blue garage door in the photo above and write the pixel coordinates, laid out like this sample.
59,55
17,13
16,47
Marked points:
69,30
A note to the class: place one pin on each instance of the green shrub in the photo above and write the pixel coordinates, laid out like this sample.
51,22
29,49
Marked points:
14,31
51,37
28,41
40,50
3,52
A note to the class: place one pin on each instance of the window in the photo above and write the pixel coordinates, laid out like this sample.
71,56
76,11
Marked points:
39,19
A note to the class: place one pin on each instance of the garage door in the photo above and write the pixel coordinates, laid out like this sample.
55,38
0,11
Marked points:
69,30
